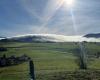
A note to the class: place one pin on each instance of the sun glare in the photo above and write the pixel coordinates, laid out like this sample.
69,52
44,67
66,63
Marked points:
69,3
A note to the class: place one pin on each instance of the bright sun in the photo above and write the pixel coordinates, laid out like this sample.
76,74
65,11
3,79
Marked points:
69,3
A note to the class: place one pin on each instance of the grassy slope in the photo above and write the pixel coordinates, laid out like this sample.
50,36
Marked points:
49,58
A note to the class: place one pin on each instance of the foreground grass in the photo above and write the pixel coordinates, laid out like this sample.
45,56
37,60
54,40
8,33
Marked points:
53,61
71,75
19,72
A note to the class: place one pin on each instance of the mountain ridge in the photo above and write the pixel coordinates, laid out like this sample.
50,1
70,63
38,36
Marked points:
49,38
93,35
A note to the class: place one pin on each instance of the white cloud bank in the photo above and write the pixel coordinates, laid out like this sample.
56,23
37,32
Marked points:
61,38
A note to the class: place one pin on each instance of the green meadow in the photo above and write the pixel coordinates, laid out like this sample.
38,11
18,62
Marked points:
53,61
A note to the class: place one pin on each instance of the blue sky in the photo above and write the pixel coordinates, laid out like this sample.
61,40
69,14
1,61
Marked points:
18,17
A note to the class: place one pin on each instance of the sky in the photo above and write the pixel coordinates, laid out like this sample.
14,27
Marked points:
18,17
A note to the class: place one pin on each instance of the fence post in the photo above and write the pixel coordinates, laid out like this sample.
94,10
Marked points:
83,57
32,71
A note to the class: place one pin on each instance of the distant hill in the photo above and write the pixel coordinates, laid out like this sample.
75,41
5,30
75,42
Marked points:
1,37
33,38
48,38
92,35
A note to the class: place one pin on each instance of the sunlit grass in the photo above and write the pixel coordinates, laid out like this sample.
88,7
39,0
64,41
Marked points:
48,59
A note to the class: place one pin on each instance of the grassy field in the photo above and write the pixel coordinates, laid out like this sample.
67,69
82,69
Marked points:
53,61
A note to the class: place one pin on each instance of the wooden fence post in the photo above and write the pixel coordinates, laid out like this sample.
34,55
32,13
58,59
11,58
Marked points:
32,71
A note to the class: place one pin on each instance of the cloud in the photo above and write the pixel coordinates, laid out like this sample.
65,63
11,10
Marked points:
49,16
47,13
